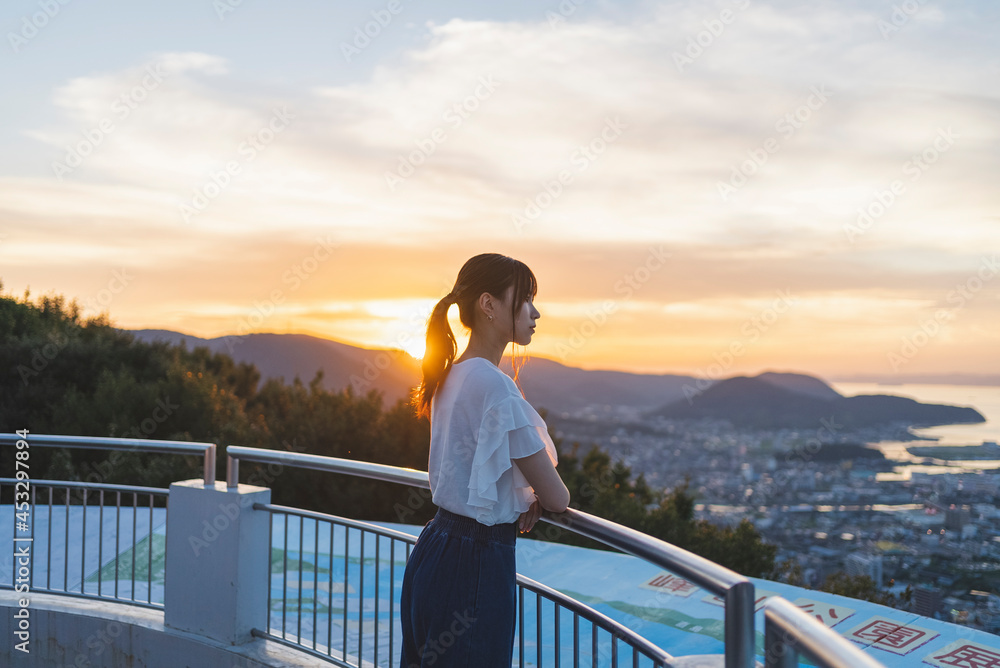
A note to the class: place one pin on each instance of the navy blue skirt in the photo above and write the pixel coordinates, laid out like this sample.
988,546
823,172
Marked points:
458,602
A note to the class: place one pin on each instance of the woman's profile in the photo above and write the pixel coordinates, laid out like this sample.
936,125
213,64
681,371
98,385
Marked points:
491,468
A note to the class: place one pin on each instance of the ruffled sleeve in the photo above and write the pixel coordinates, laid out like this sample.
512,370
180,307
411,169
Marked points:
511,429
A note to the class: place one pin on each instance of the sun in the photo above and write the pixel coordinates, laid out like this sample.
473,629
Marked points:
401,325
415,348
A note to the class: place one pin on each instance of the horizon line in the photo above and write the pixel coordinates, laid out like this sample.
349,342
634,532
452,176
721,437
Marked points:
985,379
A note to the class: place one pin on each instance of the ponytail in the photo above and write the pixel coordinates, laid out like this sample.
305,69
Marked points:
438,355
486,272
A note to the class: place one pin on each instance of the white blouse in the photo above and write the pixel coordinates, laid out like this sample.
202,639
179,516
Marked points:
479,423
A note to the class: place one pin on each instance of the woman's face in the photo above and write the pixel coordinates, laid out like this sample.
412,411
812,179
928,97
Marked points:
524,325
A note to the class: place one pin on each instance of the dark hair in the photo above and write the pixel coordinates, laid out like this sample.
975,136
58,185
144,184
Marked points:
487,272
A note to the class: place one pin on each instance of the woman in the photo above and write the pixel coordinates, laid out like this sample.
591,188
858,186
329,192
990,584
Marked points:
491,469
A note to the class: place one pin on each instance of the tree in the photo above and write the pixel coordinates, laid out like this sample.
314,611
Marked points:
66,375
608,490
864,588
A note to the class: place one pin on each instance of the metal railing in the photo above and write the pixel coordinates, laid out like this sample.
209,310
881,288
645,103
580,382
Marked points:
736,590
601,652
206,450
124,564
122,561
788,631
368,572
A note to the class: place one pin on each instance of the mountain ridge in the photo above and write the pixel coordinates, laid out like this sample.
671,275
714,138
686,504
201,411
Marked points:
772,398
762,403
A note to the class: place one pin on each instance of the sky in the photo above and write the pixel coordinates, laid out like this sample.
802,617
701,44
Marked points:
706,188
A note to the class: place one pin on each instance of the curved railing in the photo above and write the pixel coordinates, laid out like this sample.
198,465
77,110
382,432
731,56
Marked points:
736,590
370,570
134,574
789,632
69,506
205,450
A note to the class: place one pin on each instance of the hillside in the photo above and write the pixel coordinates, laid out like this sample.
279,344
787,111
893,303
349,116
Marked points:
547,383
771,399
762,403
286,356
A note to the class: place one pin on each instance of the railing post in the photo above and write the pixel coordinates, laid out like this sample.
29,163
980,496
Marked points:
232,471
209,467
217,560
779,650
740,634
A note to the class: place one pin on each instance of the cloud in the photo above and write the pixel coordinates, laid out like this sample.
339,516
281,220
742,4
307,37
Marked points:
578,144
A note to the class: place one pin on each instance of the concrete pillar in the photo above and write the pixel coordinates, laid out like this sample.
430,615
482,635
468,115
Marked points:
217,561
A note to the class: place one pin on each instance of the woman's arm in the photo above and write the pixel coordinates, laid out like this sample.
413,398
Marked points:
543,478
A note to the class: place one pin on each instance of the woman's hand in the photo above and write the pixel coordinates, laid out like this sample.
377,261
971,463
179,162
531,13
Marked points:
528,518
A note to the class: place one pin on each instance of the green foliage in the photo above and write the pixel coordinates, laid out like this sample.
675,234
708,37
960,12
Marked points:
61,374
861,587
65,375
864,588
608,490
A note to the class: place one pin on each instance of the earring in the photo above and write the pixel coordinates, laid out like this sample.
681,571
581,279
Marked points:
491,317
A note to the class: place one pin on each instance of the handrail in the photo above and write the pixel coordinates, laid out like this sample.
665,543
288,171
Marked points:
737,590
73,484
138,444
648,648
404,476
652,651
788,631
65,520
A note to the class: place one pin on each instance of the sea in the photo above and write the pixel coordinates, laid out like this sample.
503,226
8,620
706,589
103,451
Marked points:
985,399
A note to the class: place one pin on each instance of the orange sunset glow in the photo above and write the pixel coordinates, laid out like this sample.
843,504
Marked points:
807,191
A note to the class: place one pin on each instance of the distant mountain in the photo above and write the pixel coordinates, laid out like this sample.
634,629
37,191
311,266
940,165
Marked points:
286,356
547,383
771,399
981,379
800,384
789,400
564,388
